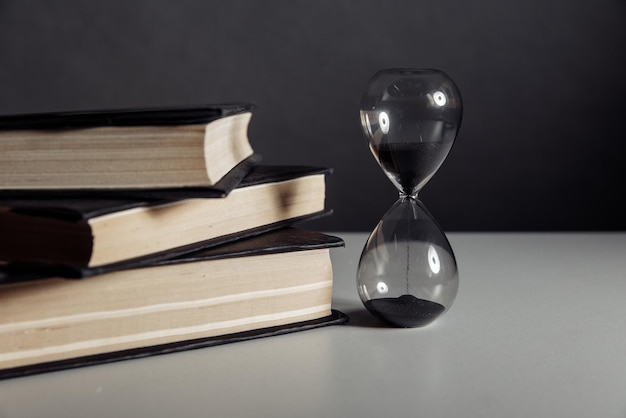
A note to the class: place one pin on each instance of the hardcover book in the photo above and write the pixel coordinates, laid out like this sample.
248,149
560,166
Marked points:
123,149
266,285
87,233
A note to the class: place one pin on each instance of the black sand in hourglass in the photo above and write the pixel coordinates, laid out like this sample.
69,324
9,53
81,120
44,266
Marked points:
406,311
411,163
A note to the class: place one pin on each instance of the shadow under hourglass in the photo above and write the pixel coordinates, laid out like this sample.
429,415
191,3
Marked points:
407,274
358,315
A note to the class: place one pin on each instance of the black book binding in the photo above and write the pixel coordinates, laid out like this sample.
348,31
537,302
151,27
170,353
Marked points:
180,115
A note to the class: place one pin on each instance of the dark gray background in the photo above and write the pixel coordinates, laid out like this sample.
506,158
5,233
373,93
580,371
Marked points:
543,83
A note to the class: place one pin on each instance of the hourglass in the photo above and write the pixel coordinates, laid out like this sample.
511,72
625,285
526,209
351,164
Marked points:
407,273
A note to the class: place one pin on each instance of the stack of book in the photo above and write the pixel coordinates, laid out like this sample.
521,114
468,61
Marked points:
125,234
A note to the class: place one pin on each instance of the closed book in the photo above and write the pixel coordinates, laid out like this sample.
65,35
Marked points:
91,233
266,285
156,148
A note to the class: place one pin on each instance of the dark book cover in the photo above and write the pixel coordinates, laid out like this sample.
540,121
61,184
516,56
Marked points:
157,116
284,240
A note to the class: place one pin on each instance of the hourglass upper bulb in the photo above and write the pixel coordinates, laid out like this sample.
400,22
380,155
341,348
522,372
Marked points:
410,118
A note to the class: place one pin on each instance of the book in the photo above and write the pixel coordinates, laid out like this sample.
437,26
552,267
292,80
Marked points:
219,189
123,149
270,284
90,233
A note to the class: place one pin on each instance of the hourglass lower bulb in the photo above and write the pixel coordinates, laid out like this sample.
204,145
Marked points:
407,274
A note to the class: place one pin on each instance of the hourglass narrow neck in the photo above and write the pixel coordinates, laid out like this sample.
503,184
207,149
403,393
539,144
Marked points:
403,195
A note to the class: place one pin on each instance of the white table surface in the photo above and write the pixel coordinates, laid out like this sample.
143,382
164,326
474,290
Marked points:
538,329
